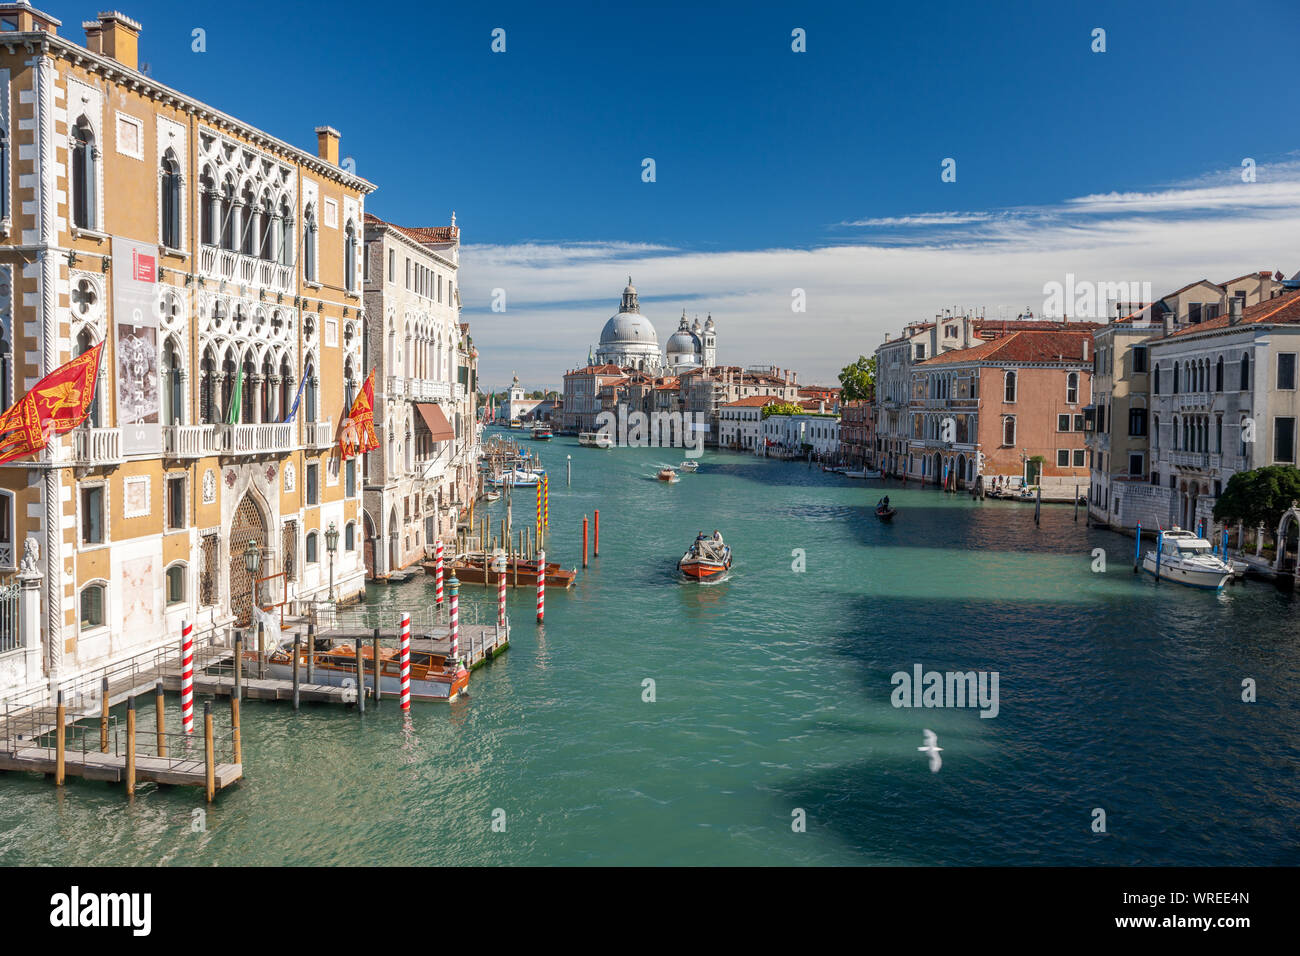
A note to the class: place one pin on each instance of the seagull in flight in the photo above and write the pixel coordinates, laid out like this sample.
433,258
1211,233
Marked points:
931,746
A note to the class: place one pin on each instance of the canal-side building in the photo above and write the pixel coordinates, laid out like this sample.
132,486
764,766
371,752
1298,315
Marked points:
740,423
1121,421
424,415
795,436
220,268
582,388
857,438
1010,407
1224,398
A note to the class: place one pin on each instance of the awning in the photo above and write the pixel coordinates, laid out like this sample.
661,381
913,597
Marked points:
439,427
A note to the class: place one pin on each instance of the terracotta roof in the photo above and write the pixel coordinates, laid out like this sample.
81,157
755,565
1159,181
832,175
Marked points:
1261,274
1282,309
986,327
1029,347
608,369
421,234
753,401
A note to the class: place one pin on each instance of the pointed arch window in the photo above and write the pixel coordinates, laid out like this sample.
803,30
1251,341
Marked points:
1072,388
85,159
350,256
85,342
1245,373
171,201
309,245
1009,391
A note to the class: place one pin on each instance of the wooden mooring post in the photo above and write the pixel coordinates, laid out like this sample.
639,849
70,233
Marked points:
261,651
130,746
160,718
60,740
361,681
584,541
595,542
239,664
311,653
209,757
374,652
234,730
297,653
103,716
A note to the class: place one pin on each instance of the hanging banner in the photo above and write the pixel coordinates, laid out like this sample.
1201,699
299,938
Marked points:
135,346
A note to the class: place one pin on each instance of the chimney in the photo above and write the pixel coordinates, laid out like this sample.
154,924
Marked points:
120,38
94,35
1234,310
327,144
1169,322
1085,350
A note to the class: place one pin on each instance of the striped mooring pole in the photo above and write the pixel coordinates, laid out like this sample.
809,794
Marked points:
541,586
437,572
405,697
187,676
538,521
501,594
454,584
1137,549
546,501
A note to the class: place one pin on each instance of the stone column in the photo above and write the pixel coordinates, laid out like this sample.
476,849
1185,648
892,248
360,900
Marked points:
237,225
214,217
258,383
29,611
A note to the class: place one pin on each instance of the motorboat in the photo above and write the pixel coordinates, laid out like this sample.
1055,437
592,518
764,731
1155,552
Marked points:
884,510
689,465
542,433
865,473
492,496
1186,558
433,677
706,559
667,474
515,423
595,440
517,477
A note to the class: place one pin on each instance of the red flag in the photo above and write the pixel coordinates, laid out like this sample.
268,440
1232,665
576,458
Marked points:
56,404
357,431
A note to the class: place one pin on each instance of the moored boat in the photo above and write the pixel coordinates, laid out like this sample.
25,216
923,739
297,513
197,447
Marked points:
1185,558
595,440
469,569
433,677
706,559
518,477
865,473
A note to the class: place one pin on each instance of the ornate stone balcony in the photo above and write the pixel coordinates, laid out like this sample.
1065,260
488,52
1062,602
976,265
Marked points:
189,441
231,266
94,447
318,434
255,439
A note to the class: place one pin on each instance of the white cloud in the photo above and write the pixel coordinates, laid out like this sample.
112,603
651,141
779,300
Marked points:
559,295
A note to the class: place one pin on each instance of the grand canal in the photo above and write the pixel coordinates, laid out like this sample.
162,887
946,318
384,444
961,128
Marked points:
772,696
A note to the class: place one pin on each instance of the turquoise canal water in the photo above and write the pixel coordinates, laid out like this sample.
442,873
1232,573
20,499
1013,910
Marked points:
773,695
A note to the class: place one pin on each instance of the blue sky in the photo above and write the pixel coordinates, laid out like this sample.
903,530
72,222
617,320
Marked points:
774,169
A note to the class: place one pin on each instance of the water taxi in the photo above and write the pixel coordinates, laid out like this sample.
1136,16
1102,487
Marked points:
518,477
707,558
542,433
432,676
515,423
1185,558
689,465
595,440
667,474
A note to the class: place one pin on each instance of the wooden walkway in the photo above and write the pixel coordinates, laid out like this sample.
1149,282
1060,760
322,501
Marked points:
479,643
92,765
265,688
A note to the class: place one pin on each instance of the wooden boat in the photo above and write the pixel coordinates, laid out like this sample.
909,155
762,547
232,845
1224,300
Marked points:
595,440
667,474
885,512
542,433
706,559
468,569
432,677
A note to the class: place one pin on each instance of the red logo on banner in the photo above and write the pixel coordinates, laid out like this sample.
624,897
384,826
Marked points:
144,270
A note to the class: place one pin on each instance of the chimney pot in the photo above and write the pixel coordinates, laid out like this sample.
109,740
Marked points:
119,37
327,144
1234,310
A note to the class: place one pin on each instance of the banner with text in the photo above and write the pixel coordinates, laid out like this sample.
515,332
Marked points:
136,346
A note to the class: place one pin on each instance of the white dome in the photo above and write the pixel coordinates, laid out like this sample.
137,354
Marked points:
629,328
683,342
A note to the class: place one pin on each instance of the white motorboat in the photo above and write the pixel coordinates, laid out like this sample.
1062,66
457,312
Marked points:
595,440
1187,559
865,473
690,464
518,477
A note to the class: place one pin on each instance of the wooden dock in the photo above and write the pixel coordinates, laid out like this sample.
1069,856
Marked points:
264,688
92,765
479,643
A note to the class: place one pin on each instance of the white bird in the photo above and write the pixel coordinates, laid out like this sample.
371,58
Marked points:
931,746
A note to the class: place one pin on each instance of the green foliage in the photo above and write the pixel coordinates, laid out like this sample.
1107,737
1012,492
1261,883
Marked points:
858,381
1259,495
782,408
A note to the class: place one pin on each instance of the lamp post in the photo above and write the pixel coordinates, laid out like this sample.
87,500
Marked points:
331,545
252,561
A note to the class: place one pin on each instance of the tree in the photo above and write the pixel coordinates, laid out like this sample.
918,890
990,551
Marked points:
782,408
1258,496
858,381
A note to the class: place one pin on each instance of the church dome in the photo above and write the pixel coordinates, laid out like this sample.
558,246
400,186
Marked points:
683,342
629,328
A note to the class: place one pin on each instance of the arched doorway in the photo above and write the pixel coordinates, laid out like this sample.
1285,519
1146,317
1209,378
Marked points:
249,524
937,472
394,556
961,471
368,549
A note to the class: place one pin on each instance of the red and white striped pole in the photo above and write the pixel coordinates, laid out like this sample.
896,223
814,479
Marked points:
437,573
405,670
541,586
454,584
187,676
501,597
